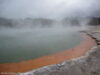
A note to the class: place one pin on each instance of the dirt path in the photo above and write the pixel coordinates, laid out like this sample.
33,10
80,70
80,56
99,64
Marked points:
59,57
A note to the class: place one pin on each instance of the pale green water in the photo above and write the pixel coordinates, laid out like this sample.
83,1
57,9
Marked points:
25,44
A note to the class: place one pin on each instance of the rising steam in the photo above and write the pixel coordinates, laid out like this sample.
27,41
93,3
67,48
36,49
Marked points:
55,9
33,28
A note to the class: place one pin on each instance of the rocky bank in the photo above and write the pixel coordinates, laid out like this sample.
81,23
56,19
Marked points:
85,65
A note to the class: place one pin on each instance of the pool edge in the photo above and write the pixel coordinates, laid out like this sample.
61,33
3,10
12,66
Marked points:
7,67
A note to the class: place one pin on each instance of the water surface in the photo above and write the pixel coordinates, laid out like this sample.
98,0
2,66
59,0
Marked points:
25,44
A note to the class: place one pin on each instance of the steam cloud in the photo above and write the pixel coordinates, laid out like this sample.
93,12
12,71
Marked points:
35,25
49,8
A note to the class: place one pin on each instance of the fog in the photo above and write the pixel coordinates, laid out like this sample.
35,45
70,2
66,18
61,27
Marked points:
25,16
48,16
47,13
30,26
55,9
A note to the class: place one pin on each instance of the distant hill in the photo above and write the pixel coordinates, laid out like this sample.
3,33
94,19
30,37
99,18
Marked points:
42,22
6,22
94,21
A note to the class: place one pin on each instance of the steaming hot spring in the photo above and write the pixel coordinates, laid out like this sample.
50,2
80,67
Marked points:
31,43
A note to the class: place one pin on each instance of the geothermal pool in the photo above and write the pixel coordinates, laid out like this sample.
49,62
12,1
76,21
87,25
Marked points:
25,44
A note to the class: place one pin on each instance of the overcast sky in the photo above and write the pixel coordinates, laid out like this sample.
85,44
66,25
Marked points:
49,8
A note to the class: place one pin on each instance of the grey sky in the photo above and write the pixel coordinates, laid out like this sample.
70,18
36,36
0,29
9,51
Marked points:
48,8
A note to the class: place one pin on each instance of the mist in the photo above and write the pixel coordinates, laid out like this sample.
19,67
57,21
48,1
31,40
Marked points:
46,14
53,9
35,28
55,15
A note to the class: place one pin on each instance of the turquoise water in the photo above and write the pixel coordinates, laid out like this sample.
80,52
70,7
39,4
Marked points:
25,44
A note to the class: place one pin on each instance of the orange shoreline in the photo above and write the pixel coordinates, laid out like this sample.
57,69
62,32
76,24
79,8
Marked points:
56,58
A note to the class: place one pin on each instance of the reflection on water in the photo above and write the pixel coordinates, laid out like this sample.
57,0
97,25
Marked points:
24,44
